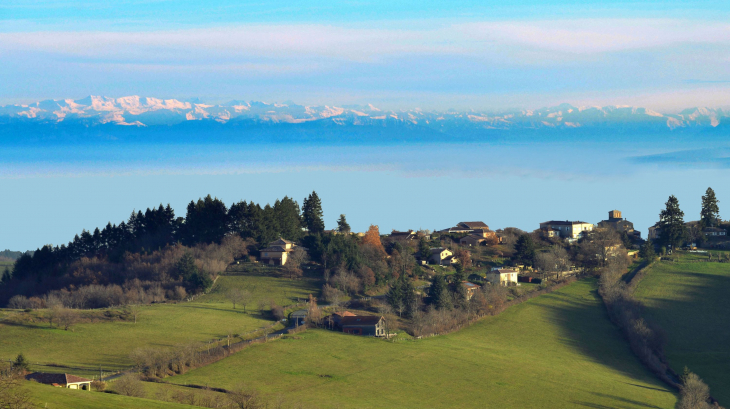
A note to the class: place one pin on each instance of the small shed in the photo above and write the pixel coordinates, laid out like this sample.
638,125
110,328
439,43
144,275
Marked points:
61,380
298,317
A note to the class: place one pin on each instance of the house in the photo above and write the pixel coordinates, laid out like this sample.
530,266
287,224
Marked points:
478,237
338,316
466,227
566,229
714,231
277,252
403,235
369,325
61,380
503,276
298,318
655,231
471,289
442,256
619,224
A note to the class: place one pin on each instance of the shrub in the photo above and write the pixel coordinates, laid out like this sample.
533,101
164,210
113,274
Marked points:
99,386
129,385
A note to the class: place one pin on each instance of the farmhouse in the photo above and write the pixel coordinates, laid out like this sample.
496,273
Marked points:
61,380
369,325
714,231
466,227
277,252
566,229
477,237
503,276
442,256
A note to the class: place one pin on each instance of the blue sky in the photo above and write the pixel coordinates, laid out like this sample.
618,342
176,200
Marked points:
665,55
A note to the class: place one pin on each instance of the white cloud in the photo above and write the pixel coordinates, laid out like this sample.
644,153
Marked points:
581,36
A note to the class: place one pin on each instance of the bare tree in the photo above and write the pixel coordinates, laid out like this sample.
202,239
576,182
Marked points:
695,393
244,398
293,266
235,296
332,295
12,393
134,310
129,385
67,318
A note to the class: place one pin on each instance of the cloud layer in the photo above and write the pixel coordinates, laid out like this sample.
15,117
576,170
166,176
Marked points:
629,57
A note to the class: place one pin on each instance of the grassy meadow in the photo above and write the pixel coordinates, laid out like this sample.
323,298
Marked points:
690,302
555,351
109,343
61,398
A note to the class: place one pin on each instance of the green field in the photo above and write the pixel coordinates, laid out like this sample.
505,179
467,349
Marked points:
555,351
61,398
109,343
690,302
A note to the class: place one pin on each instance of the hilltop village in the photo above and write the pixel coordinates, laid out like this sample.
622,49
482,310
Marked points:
281,272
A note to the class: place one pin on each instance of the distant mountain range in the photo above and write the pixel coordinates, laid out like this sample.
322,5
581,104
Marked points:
134,111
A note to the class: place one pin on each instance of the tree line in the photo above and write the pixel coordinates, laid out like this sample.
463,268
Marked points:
207,221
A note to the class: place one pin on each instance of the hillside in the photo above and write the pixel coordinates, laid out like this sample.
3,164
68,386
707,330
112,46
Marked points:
60,398
689,301
555,351
109,341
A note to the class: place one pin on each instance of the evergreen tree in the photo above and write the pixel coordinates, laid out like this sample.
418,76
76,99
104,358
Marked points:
647,251
6,276
710,213
288,218
524,250
671,223
424,250
21,363
312,213
206,221
342,225
439,293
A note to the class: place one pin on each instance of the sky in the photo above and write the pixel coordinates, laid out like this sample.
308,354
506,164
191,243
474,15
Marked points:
665,55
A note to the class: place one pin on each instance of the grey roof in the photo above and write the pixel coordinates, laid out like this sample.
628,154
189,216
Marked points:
360,320
564,223
299,313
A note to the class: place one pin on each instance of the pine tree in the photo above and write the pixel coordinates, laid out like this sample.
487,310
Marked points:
671,224
424,250
342,225
439,293
289,218
524,250
647,251
6,276
21,364
312,213
710,213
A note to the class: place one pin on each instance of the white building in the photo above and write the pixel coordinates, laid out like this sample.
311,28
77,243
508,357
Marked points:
503,276
565,229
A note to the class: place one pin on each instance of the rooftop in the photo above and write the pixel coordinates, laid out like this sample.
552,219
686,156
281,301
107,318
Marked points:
361,320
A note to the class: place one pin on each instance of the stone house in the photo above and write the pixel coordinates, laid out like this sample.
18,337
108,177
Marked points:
442,256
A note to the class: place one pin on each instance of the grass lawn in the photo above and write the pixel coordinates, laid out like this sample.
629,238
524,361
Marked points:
690,302
61,398
555,351
210,316
109,343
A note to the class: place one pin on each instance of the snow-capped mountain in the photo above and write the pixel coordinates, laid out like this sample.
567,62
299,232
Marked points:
138,111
